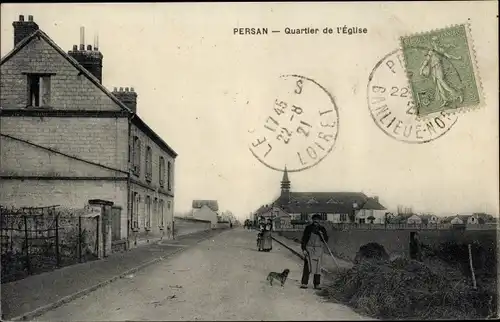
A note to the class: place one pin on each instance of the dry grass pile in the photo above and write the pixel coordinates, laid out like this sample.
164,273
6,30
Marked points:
407,289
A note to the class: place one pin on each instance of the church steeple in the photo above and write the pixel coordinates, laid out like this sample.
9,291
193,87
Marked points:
285,183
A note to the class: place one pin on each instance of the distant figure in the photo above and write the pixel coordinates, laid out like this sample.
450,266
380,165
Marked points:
267,240
260,235
415,246
313,241
230,224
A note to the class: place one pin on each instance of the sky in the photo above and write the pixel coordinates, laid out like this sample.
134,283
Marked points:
201,88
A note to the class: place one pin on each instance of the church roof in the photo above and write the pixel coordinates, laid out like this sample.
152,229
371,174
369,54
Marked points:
329,202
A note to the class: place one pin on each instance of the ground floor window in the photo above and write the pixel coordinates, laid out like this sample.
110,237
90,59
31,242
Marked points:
362,220
161,212
136,199
148,212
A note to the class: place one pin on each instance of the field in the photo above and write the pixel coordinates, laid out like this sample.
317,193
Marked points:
440,287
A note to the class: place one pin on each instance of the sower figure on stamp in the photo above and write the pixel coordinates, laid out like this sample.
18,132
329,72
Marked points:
313,242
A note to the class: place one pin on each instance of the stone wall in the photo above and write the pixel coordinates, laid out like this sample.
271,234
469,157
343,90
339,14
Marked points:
185,226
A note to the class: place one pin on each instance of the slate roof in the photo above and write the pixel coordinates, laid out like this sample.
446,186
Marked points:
328,202
136,119
212,204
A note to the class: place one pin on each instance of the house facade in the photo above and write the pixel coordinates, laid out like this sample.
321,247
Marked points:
337,207
206,210
66,139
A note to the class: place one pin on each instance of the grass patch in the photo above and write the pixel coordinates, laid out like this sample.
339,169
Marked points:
407,289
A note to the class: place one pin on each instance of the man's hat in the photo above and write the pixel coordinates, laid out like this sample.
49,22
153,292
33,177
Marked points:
316,216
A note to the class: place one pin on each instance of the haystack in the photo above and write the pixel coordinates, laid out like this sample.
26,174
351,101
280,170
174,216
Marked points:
407,289
371,252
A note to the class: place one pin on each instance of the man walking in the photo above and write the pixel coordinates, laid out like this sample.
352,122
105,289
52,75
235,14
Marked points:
313,241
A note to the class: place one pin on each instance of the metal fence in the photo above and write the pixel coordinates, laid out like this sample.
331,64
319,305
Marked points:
36,240
354,226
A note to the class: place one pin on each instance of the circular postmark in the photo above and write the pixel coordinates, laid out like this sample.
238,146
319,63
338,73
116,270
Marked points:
392,107
299,126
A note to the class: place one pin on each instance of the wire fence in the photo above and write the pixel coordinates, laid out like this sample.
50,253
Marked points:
36,240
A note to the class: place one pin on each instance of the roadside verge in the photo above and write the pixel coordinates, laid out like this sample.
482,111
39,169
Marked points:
26,299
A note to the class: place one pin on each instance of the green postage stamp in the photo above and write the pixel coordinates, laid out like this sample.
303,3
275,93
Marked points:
442,71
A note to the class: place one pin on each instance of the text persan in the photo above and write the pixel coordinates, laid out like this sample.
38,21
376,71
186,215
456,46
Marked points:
250,31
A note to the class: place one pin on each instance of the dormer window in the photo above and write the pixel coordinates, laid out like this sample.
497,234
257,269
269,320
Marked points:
312,200
38,90
333,201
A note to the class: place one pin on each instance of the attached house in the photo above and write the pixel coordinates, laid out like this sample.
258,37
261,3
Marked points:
472,219
337,207
66,139
206,210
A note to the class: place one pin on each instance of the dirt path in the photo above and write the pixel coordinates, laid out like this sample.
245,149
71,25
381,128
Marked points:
219,279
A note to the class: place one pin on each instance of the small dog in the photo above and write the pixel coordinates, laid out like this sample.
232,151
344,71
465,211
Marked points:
281,277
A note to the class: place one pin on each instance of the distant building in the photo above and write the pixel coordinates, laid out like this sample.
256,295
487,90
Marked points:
66,139
429,219
414,220
338,207
206,210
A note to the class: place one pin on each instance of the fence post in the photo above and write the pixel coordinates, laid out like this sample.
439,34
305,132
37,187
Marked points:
79,239
58,262
26,243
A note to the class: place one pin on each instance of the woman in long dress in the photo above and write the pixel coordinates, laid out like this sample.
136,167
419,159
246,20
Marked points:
267,236
260,235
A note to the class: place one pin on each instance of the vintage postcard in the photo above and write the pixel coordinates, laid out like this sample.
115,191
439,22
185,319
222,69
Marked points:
249,161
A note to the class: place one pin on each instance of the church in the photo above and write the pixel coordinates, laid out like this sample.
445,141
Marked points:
336,207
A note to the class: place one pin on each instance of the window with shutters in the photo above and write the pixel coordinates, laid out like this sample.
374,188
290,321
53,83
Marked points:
162,212
136,155
169,176
38,90
148,212
135,210
149,164
162,172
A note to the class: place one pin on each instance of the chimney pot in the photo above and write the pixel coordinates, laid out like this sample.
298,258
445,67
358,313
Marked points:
132,89
126,89
82,47
89,47
23,29
30,18
115,89
121,89
75,47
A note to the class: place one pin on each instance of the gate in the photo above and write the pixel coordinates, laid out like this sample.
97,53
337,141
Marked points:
116,223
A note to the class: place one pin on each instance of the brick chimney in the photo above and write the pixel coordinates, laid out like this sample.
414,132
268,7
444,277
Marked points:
375,198
127,97
90,58
23,29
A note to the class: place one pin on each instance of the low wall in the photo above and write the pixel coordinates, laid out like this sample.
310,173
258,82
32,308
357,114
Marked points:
185,226
222,225
345,244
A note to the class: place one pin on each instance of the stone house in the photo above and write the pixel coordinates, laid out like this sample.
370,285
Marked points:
67,139
206,210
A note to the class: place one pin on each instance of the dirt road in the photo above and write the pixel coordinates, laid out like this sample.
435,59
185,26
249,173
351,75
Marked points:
219,279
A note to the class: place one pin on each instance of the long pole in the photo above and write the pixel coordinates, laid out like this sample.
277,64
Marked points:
472,267
336,263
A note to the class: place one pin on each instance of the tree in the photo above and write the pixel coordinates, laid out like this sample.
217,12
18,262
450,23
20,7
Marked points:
371,219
